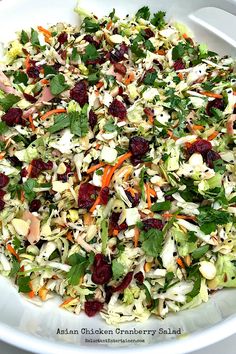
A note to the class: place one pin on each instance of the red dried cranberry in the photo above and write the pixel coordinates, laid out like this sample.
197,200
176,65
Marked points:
160,66
120,91
2,204
139,277
2,193
102,271
30,98
148,33
117,109
108,291
64,176
126,99
118,54
63,54
24,172
33,72
216,103
87,195
212,156
134,199
92,307
13,117
179,65
35,205
79,93
124,284
113,223
148,111
120,68
138,146
91,40
104,195
48,165
152,224
4,180
38,165
14,161
201,146
62,38
92,119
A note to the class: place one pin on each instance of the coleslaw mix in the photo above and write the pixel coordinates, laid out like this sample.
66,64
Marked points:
117,166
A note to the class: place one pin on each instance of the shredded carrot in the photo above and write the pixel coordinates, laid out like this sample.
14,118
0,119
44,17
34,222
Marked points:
118,164
99,84
31,294
148,196
67,301
12,251
185,217
95,167
136,236
115,232
27,62
32,126
104,177
180,263
210,94
29,169
171,135
22,196
150,119
129,79
132,191
181,76
97,147
160,52
197,127
152,192
53,111
69,236
185,36
97,202
109,25
44,81
47,34
213,136
2,154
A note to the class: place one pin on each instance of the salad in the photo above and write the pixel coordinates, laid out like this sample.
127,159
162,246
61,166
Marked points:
117,166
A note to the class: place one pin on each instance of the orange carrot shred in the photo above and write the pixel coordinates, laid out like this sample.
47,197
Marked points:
44,81
53,111
104,177
129,79
12,251
109,25
180,263
213,136
44,30
210,94
185,36
97,202
67,301
197,127
2,154
160,52
115,232
32,126
148,196
136,236
118,164
95,167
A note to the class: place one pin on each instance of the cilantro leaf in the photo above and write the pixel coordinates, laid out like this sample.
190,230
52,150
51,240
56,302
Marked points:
3,127
61,121
144,13
15,268
8,101
58,84
79,122
28,187
178,51
24,284
142,181
135,47
20,78
34,38
14,189
200,251
149,46
90,25
195,276
24,38
110,126
152,241
150,78
49,70
210,218
158,19
78,267
162,206
117,269
94,78
91,53
75,55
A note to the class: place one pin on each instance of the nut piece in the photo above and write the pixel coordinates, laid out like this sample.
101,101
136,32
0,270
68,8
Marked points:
208,270
21,226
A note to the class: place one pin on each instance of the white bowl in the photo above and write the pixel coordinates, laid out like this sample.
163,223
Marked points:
36,328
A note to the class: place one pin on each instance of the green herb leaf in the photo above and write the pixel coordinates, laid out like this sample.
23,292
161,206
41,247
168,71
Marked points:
117,269
34,38
90,25
20,78
24,284
192,237
158,19
112,14
99,172
78,267
104,235
14,189
8,101
49,70
136,46
141,182
28,187
79,122
149,46
58,84
61,121
110,126
194,275
210,218
15,268
24,38
152,242
75,55
150,78
200,251
91,53
162,206
144,13
178,51
94,78
75,258
3,127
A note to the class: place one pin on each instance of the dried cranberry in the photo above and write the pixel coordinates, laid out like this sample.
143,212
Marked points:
33,72
149,111
216,103
138,146
148,33
24,172
35,205
139,277
169,197
126,99
212,156
4,180
113,223
104,195
134,199
13,117
14,161
92,119
63,54
62,38
102,271
124,283
38,165
179,65
87,195
2,193
152,224
79,93
2,204
30,98
47,165
117,109
201,146
120,68
92,307
118,54
64,176
91,40
108,291
160,66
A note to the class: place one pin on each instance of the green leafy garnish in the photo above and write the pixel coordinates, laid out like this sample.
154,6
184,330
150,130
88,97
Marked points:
28,187
162,206
34,38
94,78
75,55
79,264
210,218
178,51
79,122
195,276
158,19
8,101
200,251
150,78
90,25
144,13
58,84
24,38
15,268
24,284
152,242
61,121
20,78
3,127
117,269
91,53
